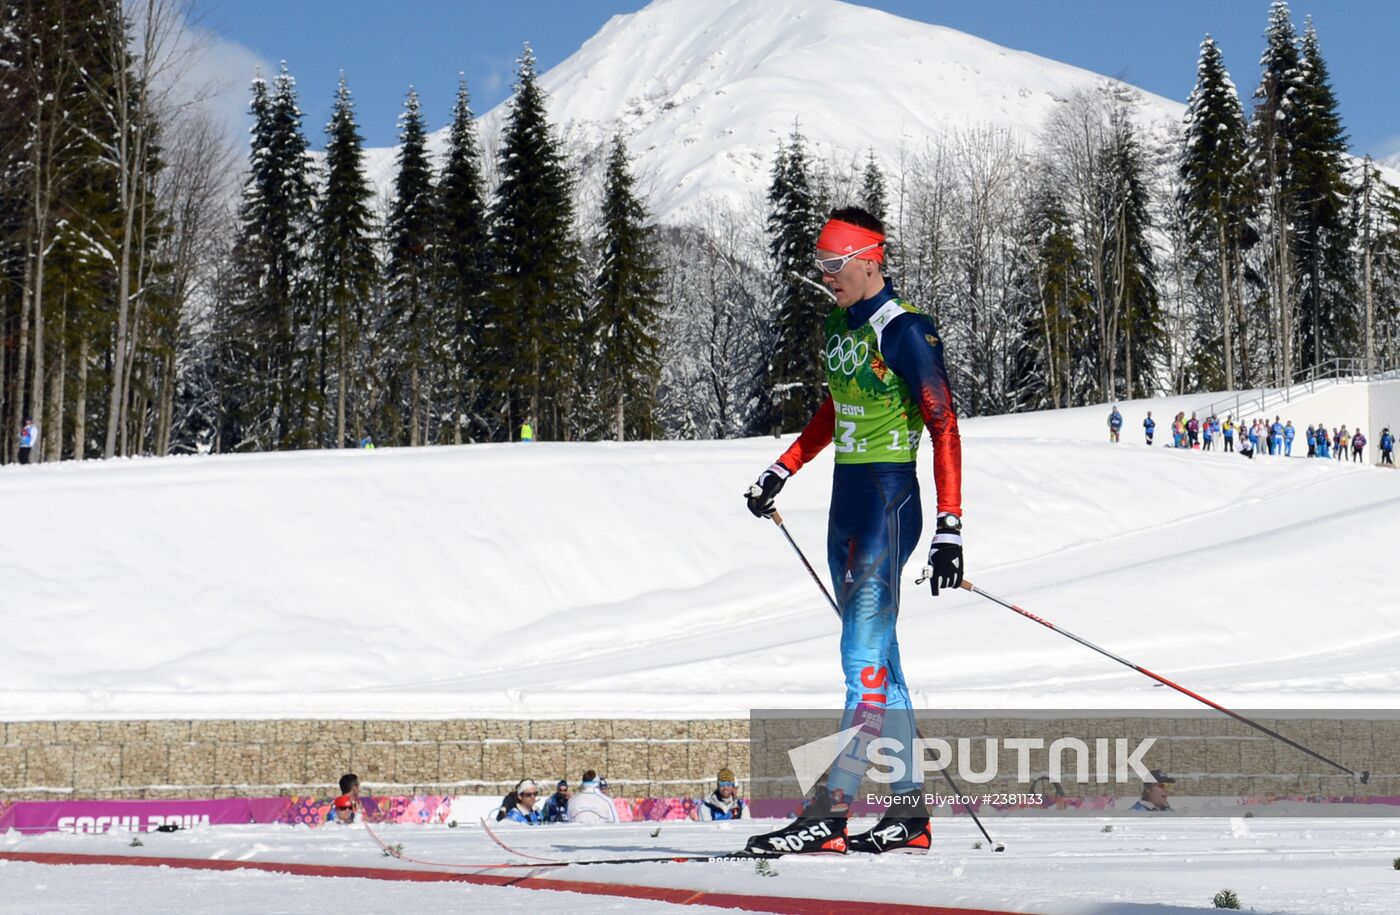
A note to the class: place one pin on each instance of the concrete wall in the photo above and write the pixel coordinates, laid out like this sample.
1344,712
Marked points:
47,760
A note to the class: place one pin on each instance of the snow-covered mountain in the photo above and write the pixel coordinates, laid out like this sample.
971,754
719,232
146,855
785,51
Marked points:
705,89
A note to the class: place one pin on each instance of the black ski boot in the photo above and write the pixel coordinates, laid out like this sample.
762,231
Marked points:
903,829
820,829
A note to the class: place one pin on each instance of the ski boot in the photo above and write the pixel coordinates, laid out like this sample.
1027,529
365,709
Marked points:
820,829
903,829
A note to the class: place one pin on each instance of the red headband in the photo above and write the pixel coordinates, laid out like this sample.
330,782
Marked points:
845,237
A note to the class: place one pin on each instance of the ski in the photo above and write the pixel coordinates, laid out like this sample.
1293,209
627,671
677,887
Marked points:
537,861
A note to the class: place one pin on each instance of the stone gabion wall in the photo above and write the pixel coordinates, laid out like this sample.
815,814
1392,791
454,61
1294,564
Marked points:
50,760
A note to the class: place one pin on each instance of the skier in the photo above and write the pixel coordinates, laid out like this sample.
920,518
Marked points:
1229,432
1288,433
886,378
344,808
1387,447
1149,426
1358,447
28,438
724,802
1115,422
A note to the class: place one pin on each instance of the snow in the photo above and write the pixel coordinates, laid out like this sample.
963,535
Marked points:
604,579
705,91
1061,867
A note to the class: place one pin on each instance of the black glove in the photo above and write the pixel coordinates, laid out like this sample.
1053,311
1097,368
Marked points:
768,485
945,555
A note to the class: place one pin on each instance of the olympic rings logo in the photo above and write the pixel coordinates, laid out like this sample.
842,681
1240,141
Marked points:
845,354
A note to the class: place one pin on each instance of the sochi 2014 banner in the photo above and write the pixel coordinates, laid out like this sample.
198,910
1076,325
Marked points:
150,815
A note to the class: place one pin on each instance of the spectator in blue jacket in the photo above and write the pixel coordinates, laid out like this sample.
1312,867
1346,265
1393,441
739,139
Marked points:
1149,426
1276,445
1322,440
1387,447
556,809
1229,432
1288,435
1207,433
523,810
1115,423
1254,436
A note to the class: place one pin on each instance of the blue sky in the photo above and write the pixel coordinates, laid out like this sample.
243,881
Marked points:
385,46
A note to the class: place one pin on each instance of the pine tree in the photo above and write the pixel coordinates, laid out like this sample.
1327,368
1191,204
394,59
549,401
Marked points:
538,295
1140,335
874,200
345,260
1062,302
626,304
464,267
795,375
267,377
408,299
1215,185
1322,236
1271,151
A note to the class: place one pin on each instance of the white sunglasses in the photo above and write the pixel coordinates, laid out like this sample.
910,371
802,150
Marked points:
834,265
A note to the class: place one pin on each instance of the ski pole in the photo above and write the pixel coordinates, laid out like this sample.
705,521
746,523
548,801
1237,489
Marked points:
778,520
1364,775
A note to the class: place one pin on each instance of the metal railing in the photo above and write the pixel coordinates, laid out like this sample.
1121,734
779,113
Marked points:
1307,381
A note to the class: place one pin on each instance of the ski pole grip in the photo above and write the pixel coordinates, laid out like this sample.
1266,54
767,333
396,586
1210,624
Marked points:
966,585
777,518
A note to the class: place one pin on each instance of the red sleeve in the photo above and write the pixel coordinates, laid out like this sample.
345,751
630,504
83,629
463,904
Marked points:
936,404
813,439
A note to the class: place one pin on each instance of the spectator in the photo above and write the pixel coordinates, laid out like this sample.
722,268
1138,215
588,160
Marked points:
1387,448
523,810
590,805
1115,423
1229,432
1288,434
724,802
556,809
1149,426
1253,437
1276,438
1179,431
28,438
1312,444
1154,794
1322,440
1341,441
1207,433
527,432
1358,447
1246,449
1193,430
345,807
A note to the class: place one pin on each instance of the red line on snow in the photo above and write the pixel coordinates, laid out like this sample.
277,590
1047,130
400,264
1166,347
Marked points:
780,905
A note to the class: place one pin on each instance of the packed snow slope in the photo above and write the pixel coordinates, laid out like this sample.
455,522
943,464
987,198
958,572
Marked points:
629,579
704,92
